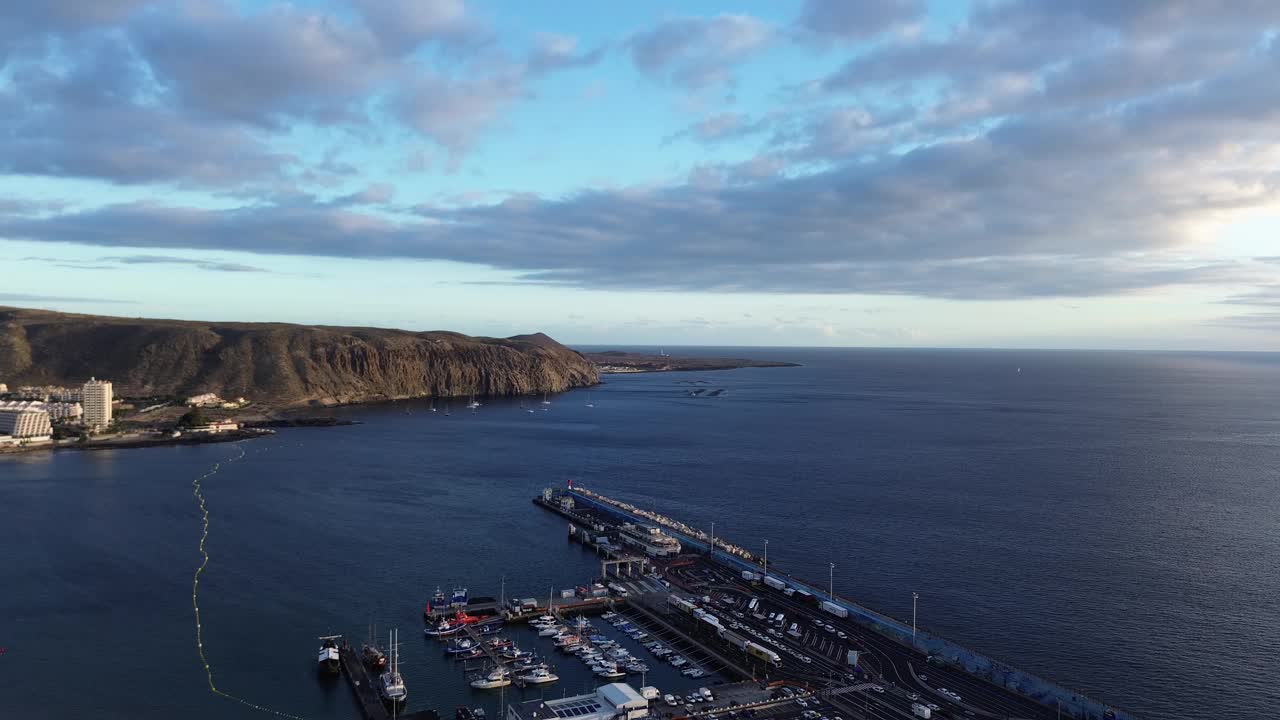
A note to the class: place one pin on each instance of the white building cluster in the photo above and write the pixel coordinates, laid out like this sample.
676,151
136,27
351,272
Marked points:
211,400
58,411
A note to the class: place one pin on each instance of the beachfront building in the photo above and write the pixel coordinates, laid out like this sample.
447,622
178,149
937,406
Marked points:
26,425
58,411
97,403
204,400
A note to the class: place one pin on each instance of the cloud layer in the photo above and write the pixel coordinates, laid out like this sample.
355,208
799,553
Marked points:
1037,149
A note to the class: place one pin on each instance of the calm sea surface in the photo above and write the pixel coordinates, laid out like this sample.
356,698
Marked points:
1108,520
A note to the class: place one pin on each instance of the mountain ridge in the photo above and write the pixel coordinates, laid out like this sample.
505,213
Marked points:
278,364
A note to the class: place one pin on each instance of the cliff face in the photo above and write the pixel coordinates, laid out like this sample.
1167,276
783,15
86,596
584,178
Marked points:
278,364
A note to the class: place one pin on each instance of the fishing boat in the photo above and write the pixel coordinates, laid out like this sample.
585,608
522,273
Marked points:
580,623
329,661
499,643
472,406
539,676
444,628
499,677
458,598
460,645
391,684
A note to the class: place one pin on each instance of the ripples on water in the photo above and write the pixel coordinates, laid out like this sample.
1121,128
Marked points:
1105,519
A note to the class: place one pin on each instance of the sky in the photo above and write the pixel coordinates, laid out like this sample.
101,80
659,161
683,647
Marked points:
1006,173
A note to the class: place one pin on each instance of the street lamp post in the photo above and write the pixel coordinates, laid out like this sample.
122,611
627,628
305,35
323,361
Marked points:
766,557
713,538
914,596
831,586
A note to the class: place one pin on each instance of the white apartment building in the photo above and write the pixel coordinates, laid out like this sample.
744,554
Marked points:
25,424
58,411
204,400
97,403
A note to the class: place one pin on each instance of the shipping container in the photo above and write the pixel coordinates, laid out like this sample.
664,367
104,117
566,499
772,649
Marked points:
681,604
750,576
774,582
834,609
921,711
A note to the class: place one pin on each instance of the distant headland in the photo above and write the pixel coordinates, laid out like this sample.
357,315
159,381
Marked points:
619,361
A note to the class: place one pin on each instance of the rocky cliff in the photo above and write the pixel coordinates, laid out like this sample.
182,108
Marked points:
278,364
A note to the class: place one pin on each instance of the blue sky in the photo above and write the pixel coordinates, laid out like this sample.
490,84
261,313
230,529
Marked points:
816,172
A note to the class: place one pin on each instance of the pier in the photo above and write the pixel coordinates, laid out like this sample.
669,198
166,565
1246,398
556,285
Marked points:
365,687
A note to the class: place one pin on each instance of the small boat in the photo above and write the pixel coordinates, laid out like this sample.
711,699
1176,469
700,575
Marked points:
696,673
329,661
437,599
580,623
472,406
499,643
391,684
499,677
551,631
515,653
539,676
589,403
611,671
545,401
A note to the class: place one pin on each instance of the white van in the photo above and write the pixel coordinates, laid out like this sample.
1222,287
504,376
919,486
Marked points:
669,699
706,694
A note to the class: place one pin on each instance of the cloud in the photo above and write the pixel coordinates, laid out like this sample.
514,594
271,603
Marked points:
215,265
402,25
696,53
25,298
853,20
553,51
93,120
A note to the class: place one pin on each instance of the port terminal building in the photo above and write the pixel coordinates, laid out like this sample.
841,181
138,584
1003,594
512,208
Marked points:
615,701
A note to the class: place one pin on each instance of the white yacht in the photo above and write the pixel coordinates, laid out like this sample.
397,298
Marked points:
391,684
539,676
499,677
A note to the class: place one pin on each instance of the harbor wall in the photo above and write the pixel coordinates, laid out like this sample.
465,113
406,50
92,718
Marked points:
1073,703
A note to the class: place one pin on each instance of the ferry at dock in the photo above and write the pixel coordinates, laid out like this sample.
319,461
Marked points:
650,539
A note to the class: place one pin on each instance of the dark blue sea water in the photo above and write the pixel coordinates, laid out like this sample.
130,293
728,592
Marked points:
1108,520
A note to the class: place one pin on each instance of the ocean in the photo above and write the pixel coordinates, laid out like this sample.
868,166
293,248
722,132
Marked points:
1108,520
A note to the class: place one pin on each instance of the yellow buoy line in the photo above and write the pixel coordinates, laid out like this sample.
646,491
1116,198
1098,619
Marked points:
195,586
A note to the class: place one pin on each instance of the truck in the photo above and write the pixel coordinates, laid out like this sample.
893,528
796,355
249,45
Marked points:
755,603
921,711
681,604
649,692
750,576
834,609
733,639
706,694
789,592
617,589
794,631
780,621
758,651
774,582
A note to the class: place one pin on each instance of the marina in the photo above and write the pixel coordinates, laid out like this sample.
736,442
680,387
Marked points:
665,605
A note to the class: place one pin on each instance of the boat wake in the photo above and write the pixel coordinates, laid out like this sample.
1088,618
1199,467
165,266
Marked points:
198,492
